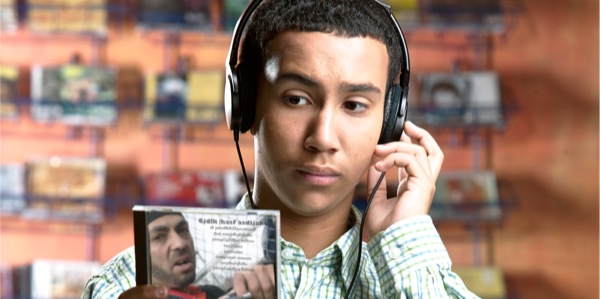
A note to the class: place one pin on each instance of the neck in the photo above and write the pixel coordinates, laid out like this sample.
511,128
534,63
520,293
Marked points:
311,233
314,234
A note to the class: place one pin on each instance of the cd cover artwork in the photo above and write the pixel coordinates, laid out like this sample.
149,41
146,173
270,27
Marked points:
466,195
194,96
74,94
212,246
68,188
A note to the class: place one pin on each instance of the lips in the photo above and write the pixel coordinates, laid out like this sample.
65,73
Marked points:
318,175
182,264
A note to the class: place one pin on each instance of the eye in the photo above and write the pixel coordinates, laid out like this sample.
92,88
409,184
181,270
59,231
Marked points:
295,100
158,238
355,106
184,231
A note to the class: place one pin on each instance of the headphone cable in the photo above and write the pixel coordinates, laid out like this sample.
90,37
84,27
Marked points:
236,138
362,221
360,236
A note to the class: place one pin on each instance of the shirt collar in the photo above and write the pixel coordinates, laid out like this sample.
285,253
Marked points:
345,246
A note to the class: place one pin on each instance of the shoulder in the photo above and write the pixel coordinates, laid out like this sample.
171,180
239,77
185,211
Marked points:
114,277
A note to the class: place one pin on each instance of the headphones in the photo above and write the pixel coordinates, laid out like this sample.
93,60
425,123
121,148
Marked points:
240,108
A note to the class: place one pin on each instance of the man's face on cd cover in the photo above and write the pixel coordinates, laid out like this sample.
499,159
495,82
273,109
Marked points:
172,251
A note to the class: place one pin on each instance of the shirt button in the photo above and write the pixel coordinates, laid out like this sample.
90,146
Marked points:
287,253
394,253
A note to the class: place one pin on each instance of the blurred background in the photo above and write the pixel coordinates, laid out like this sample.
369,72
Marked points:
105,104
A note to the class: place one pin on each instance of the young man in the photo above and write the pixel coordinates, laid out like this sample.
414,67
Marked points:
321,71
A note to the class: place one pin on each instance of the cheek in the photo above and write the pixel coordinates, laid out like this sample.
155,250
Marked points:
362,140
157,257
275,136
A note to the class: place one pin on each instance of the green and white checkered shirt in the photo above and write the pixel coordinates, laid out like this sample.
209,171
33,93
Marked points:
408,260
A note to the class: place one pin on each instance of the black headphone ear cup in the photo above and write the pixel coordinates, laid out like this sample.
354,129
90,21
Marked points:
247,96
394,114
231,100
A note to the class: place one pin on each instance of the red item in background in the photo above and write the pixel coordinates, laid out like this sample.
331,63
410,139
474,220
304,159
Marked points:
193,188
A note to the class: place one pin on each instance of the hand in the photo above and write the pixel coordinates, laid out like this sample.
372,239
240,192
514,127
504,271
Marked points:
419,161
260,283
146,291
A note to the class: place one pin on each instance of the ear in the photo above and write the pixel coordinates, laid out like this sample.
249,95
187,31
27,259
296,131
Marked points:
255,125
253,128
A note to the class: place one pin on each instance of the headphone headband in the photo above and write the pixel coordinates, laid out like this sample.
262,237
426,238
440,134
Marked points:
238,30
396,98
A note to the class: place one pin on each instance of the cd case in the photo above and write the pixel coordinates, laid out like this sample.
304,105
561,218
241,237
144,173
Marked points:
461,99
466,195
68,188
67,16
185,188
193,96
74,94
197,251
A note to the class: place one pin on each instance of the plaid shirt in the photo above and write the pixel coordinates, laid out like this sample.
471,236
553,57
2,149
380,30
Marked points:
408,260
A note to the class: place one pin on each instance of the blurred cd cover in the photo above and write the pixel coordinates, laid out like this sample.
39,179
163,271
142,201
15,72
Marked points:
66,188
74,94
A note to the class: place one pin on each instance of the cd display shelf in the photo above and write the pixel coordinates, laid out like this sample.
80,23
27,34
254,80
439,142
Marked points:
461,27
479,216
173,133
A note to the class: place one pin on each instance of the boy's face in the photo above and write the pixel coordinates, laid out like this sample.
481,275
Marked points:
172,251
319,116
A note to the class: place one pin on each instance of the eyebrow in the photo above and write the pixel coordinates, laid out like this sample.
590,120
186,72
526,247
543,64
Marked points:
361,87
344,86
163,228
304,80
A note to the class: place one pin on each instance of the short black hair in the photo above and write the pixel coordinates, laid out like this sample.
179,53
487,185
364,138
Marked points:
345,18
153,215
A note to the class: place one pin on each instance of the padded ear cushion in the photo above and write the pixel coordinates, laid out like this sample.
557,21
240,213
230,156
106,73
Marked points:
248,85
394,114
231,103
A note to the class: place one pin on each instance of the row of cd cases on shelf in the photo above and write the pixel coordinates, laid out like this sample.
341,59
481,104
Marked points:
83,95
94,16
77,94
459,196
46,279
75,188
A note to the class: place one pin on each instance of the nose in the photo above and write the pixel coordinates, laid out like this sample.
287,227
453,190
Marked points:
176,241
322,134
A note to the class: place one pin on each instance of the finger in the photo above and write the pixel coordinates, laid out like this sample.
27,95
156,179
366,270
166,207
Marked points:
405,138
260,283
240,283
409,161
422,137
145,291
388,153
401,171
266,278
391,151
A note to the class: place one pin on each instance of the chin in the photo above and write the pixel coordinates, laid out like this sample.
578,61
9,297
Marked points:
184,282
313,203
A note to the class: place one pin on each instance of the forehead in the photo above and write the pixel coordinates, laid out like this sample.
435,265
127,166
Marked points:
364,58
165,221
